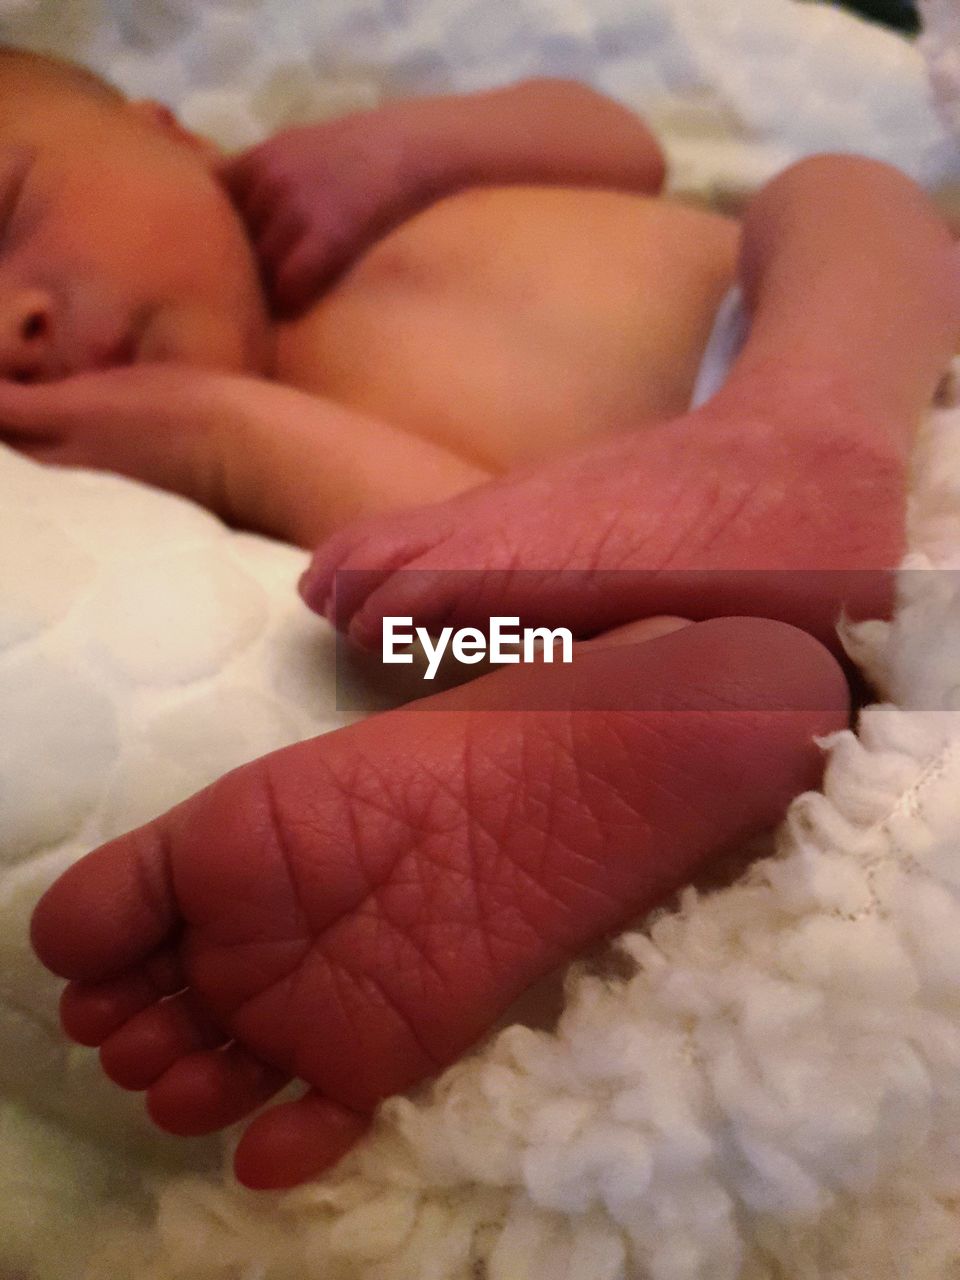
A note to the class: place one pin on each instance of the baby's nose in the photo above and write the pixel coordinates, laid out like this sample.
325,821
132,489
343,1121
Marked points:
26,335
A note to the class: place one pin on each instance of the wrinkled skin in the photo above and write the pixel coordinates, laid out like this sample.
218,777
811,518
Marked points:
357,910
739,507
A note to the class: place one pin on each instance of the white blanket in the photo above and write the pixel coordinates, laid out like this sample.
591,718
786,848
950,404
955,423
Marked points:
775,1092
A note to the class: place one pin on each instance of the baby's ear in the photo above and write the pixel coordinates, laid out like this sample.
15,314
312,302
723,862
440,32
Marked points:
159,116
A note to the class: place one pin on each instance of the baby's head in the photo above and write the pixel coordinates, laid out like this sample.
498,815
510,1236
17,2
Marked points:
117,242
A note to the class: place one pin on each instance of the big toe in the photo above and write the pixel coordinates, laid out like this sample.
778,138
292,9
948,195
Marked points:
295,1141
108,911
352,565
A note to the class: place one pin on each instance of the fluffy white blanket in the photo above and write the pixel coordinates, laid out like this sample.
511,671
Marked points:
775,1092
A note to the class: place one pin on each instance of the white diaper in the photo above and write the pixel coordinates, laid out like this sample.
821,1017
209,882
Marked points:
730,327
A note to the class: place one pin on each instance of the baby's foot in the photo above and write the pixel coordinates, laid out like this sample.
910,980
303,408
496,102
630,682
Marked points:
357,910
719,512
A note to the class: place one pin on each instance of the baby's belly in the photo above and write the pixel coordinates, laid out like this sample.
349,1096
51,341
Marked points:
509,323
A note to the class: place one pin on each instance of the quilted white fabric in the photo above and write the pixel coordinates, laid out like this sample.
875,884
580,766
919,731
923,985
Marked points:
738,88
774,1092
144,650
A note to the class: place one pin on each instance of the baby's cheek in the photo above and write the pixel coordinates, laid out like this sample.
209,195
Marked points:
207,339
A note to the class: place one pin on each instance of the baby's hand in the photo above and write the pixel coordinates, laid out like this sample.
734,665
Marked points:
158,423
314,197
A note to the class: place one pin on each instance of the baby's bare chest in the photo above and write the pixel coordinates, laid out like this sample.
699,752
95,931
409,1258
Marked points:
508,323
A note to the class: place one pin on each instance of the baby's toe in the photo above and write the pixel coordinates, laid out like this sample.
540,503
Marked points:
152,1041
358,560
430,596
109,911
209,1090
92,1011
295,1141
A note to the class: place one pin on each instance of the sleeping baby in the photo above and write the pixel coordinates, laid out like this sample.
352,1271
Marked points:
491,328
463,288
481,303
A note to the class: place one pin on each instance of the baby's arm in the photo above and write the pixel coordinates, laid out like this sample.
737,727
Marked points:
298,467
316,196
263,457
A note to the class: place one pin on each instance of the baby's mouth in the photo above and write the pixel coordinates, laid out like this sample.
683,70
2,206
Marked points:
93,355
125,349
122,352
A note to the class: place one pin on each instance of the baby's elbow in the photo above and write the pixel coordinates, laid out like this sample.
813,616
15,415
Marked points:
633,151
560,88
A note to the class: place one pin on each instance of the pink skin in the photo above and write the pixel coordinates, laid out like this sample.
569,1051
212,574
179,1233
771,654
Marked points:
321,912
313,199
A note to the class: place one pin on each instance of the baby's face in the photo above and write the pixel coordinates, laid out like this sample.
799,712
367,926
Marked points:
117,244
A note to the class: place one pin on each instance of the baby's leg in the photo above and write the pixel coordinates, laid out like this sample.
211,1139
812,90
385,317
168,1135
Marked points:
798,463
733,509
357,910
